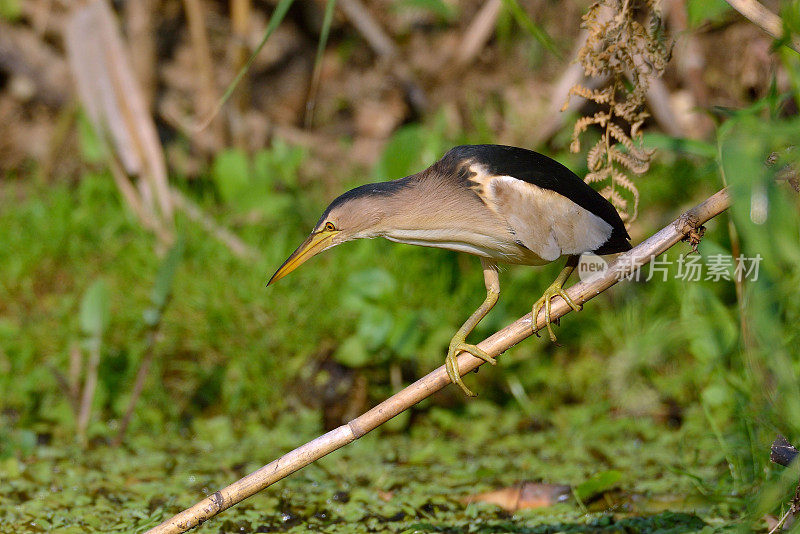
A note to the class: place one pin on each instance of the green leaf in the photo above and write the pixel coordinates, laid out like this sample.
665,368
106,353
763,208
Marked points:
92,148
278,164
162,289
709,326
317,72
535,30
231,173
597,484
374,327
10,468
716,395
371,284
406,335
700,11
402,154
352,352
444,11
95,310
790,13
10,10
276,18
680,145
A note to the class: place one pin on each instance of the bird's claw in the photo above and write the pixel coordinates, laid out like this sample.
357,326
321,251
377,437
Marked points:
451,362
555,290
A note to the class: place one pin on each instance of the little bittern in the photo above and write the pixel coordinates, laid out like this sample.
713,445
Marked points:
501,203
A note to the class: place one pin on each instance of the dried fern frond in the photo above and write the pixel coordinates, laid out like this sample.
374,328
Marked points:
625,45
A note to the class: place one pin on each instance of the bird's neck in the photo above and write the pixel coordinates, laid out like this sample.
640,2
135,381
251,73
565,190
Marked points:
433,216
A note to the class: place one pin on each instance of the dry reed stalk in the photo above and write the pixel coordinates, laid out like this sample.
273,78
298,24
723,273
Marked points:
114,102
139,22
478,32
426,386
240,11
74,377
89,386
206,94
238,247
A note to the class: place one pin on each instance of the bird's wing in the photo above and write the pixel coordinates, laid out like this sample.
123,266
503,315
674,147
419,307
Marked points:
544,173
545,222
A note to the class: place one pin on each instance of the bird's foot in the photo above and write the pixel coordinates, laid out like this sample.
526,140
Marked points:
556,289
457,344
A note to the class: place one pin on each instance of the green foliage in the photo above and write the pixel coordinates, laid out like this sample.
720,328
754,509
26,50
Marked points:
410,149
95,311
444,11
16,442
790,15
679,145
10,10
163,286
274,21
381,326
597,484
425,473
92,147
231,173
655,395
533,29
702,11
709,326
766,217
263,184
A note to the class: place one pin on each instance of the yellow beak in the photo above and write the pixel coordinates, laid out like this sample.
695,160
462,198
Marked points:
312,246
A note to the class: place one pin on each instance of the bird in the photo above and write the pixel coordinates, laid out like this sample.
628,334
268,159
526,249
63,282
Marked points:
501,203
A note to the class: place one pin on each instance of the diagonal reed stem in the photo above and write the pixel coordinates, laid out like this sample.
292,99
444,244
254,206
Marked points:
437,379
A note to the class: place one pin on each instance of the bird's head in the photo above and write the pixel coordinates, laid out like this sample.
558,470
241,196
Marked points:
359,213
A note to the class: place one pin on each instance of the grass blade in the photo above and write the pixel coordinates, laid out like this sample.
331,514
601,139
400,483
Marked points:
274,21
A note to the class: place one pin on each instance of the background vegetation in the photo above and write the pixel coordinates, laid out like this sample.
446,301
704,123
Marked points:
657,407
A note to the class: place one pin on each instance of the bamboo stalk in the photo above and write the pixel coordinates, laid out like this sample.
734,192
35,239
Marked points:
437,379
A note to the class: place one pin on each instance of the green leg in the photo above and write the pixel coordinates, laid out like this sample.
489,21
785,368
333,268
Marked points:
556,289
458,343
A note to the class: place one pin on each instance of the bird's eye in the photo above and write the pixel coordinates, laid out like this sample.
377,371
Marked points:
329,226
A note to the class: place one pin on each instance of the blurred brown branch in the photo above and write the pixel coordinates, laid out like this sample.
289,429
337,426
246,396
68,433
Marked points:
384,46
764,19
437,379
139,24
27,56
478,32
206,94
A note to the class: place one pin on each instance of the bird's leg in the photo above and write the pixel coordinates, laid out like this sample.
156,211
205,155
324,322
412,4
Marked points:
556,289
458,343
